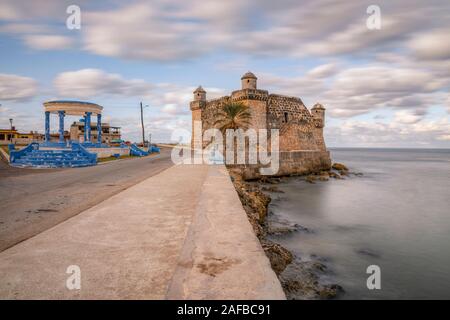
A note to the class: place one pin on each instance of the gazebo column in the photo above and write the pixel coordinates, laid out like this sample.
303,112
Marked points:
99,128
47,126
87,127
61,126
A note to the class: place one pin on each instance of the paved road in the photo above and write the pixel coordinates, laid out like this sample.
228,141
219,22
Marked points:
33,200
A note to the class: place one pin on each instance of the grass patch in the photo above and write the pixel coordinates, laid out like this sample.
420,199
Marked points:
5,148
114,158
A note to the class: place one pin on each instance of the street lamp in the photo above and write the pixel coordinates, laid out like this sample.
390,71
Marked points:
142,124
10,135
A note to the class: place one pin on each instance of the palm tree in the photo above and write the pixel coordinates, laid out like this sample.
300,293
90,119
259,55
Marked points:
233,115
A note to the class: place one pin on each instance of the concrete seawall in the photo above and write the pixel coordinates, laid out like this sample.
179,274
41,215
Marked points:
222,258
181,234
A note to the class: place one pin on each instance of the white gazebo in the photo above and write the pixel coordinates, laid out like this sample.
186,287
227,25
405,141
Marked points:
76,108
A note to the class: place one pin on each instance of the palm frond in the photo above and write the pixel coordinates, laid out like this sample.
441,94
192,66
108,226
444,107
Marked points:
233,115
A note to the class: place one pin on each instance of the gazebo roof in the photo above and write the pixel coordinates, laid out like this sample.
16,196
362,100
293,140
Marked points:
72,107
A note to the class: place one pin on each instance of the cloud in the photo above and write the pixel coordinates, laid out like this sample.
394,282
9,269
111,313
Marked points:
407,117
17,88
8,11
426,133
444,137
48,42
360,90
170,109
349,91
178,30
23,28
13,10
432,45
87,83
141,31
323,71
402,69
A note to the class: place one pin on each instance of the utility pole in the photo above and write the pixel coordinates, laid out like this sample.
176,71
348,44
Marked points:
142,123
10,135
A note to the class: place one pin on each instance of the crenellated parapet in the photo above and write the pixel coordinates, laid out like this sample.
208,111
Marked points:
197,105
250,94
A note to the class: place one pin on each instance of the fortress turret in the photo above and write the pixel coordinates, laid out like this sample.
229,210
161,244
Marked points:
318,113
197,105
248,81
199,94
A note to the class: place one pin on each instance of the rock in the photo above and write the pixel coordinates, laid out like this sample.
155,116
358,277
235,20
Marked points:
279,256
273,180
272,189
334,175
302,280
324,176
311,178
325,173
254,201
278,226
339,166
330,291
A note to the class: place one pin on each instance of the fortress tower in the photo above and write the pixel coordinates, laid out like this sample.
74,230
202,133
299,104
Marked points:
254,98
318,113
197,105
248,81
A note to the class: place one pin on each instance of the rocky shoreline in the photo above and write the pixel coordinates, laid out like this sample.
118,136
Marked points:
299,279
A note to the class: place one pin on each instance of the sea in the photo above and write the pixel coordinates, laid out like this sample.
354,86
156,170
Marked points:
395,216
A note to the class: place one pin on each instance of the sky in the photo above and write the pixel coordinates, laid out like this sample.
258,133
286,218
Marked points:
382,87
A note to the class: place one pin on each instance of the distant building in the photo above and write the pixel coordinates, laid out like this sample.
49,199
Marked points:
19,137
109,135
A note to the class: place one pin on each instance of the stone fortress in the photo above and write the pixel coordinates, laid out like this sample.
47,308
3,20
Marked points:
301,143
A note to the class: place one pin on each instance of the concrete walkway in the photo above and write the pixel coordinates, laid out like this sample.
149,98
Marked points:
180,234
34,200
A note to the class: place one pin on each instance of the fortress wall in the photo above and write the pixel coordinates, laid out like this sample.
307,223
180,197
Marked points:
196,116
258,110
319,139
298,135
293,163
210,110
279,105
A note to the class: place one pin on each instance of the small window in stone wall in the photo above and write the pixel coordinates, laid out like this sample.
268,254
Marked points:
285,117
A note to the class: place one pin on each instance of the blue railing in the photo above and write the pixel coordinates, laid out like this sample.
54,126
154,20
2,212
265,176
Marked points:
136,151
153,149
53,144
78,147
16,154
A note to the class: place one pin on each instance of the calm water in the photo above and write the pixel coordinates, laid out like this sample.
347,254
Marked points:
397,213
